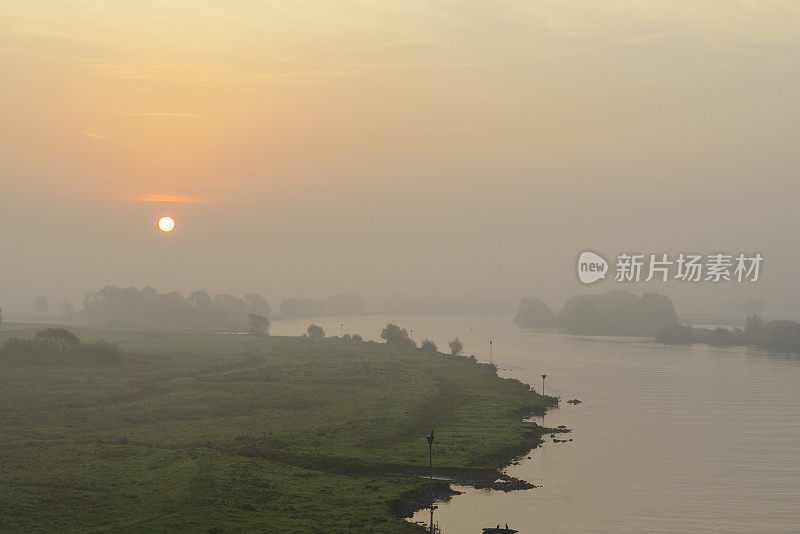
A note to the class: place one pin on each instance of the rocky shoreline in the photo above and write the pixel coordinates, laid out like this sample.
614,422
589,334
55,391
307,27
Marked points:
496,479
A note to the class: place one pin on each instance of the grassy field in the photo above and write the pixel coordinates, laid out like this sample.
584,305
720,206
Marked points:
198,432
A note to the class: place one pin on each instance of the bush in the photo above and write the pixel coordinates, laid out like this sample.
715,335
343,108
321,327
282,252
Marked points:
57,346
456,347
394,335
676,334
428,346
315,331
60,340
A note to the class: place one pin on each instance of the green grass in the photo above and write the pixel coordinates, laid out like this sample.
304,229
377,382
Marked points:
196,431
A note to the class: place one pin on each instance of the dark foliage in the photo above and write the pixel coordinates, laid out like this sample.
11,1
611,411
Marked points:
258,324
315,331
617,313
147,307
57,346
781,336
394,335
428,346
534,313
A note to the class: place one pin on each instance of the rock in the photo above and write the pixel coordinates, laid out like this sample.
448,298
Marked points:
573,401
507,483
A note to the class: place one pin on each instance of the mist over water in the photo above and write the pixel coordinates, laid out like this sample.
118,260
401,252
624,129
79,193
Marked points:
186,168
667,438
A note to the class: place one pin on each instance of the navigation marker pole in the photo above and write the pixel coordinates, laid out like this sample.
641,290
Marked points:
490,352
544,409
430,460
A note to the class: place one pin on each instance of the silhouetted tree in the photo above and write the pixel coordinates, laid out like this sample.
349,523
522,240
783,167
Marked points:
429,346
456,347
148,307
258,323
233,308
782,336
315,331
617,313
257,304
394,335
534,313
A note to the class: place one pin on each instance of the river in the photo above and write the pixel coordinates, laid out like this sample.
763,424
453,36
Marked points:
666,439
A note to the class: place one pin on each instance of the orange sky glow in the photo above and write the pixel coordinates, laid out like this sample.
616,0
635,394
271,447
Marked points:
292,137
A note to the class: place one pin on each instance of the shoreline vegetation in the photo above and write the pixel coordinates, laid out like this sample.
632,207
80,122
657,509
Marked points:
619,313
130,307
197,432
775,336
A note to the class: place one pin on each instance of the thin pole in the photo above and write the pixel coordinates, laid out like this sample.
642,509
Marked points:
490,352
544,409
341,329
430,464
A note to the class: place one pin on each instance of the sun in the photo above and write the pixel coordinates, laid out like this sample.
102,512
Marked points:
166,224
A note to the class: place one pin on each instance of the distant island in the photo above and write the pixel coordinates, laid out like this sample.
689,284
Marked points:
778,336
617,313
620,313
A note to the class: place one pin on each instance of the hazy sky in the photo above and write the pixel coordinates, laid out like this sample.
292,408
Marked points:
394,147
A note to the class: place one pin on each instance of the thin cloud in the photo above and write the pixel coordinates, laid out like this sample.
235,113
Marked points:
94,134
180,199
164,115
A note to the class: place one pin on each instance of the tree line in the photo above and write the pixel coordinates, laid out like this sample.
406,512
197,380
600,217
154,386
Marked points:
57,346
148,307
617,313
779,336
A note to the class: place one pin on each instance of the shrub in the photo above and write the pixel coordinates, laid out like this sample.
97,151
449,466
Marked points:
315,331
57,345
394,335
428,346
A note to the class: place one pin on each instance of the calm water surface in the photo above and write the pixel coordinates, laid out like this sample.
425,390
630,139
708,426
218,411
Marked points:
668,439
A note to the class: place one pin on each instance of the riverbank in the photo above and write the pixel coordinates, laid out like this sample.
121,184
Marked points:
197,432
